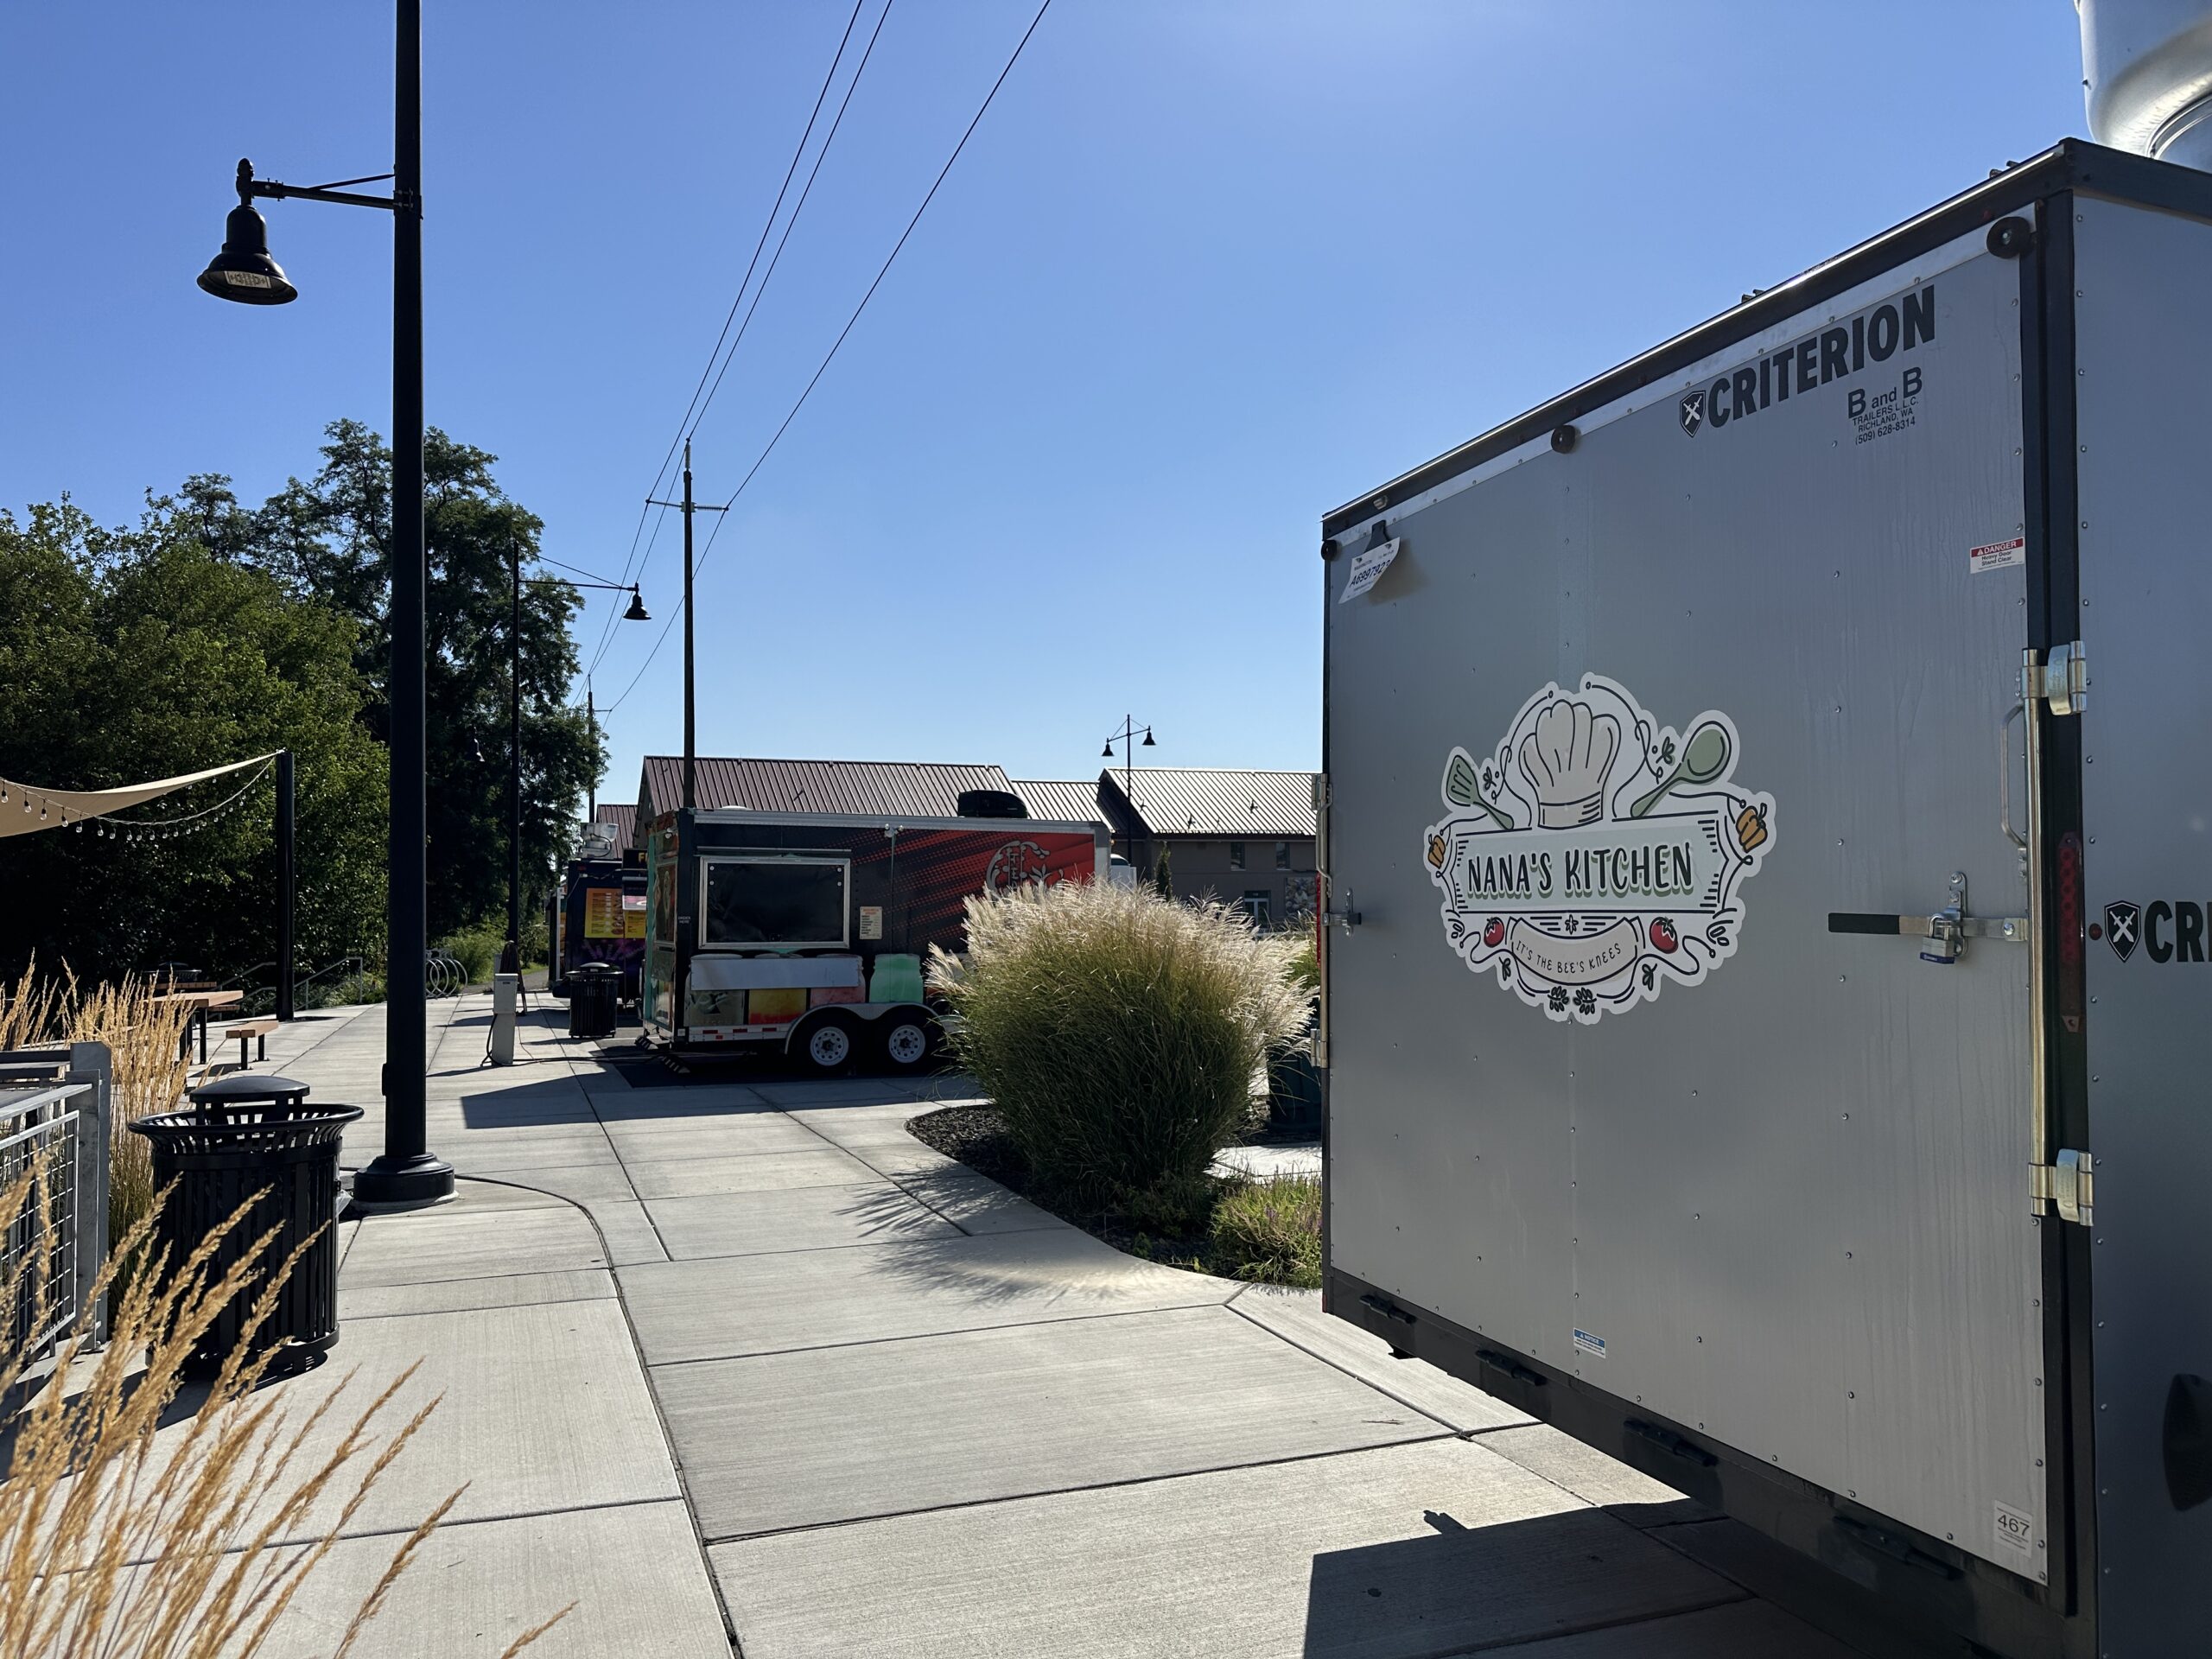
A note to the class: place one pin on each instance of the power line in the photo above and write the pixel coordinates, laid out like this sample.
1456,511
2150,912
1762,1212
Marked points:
799,154
776,258
838,343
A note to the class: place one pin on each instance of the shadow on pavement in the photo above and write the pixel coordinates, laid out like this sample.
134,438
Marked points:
1466,1587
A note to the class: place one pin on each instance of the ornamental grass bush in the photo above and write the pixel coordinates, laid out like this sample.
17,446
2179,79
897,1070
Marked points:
132,1527
1270,1230
1122,1035
145,1037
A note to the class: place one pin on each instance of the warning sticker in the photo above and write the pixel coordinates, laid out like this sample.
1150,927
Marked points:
1586,1344
2014,1532
1997,556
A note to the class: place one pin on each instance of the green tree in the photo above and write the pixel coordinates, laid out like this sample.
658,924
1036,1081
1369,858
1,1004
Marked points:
131,654
1163,878
331,537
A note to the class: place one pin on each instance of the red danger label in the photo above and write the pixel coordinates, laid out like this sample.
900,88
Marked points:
1996,555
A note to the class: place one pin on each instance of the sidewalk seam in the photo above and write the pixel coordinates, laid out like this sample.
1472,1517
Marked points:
660,1415
1096,1486
928,1336
1231,1306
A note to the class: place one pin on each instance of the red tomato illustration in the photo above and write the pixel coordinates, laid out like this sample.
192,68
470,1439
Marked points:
1662,934
1493,935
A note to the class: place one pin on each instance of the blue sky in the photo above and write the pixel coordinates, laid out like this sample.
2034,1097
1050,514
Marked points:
1205,271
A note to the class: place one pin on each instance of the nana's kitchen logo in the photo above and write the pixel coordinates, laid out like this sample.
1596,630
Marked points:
1595,854
1833,353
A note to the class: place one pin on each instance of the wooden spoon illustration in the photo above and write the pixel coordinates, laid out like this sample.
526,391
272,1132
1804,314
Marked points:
1705,757
1461,789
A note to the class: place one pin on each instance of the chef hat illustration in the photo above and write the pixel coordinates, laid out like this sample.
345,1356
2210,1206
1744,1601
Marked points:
1565,758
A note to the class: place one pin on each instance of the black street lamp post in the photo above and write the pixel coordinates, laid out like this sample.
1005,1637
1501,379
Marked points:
1129,729
510,956
407,1172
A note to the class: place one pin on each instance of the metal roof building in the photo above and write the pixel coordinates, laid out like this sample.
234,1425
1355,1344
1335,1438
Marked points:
1180,801
1073,802
890,788
624,818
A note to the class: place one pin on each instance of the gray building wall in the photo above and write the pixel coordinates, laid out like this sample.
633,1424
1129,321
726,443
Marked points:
1205,866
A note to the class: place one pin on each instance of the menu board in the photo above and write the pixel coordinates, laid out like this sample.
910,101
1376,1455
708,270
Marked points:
603,914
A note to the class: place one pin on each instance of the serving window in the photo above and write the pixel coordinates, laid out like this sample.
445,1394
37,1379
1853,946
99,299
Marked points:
776,903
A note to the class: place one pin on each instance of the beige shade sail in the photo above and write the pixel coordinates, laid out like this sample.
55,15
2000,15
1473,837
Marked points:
25,809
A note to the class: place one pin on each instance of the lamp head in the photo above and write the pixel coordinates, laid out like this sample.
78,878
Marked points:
244,271
1148,743
637,612
1108,751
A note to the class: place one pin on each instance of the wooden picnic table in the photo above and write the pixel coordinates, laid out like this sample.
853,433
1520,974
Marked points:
197,1004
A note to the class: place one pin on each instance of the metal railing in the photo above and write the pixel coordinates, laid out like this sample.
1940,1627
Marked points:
55,1107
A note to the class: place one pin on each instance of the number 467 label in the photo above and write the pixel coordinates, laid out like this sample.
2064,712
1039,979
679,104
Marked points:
2015,1533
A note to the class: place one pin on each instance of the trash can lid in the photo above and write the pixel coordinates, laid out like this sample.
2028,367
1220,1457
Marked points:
248,1088
594,968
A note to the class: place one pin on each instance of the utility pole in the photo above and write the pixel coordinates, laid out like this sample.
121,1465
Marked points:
690,672
285,884
510,956
591,794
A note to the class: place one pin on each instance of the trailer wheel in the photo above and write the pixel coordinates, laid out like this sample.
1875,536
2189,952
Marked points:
829,1046
907,1039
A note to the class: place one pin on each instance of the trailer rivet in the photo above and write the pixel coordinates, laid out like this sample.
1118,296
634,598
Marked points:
1851,1394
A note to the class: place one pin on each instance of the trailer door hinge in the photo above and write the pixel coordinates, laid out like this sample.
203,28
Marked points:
2061,681
2068,1186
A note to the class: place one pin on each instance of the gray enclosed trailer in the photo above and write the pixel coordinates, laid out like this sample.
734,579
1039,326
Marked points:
1768,845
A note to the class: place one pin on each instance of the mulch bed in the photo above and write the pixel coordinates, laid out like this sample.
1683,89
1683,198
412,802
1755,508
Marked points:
977,1136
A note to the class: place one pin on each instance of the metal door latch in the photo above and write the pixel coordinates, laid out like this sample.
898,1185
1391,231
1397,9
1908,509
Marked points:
2068,1186
1947,931
2061,680
1342,915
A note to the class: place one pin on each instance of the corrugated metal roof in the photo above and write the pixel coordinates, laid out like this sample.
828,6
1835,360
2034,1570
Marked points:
897,788
1070,802
1188,801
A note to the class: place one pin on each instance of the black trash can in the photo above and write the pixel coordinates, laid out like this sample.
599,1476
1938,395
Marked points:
594,990
256,1138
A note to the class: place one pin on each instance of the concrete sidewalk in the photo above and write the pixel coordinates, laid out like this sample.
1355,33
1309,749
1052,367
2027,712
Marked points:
913,1414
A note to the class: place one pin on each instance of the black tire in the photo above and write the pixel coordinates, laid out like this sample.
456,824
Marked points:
829,1045
906,1038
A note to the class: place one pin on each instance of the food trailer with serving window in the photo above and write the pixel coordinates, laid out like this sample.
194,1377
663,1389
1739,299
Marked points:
598,914
806,933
